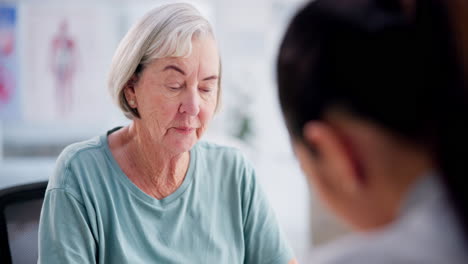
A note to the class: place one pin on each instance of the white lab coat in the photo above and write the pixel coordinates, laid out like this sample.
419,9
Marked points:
426,232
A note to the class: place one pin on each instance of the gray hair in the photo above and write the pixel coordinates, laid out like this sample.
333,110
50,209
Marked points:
165,31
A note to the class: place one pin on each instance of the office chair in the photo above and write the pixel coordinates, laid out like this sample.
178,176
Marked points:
20,208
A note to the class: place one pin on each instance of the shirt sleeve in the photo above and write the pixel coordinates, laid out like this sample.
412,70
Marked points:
264,241
65,235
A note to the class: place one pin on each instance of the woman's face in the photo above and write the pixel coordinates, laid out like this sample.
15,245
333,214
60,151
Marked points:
176,97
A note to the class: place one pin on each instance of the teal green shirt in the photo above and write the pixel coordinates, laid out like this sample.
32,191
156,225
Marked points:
93,213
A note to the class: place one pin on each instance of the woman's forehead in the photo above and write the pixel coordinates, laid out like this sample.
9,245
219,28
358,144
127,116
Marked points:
186,65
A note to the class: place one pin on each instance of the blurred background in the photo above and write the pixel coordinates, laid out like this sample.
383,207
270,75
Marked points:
54,60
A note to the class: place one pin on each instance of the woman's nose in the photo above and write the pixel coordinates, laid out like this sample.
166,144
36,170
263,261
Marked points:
190,103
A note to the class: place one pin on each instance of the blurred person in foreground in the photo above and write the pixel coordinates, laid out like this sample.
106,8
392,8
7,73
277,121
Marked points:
150,192
374,97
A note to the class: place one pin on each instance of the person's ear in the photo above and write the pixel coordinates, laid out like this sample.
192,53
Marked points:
129,91
335,162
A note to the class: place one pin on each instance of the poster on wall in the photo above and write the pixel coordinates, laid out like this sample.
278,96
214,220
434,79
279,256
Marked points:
68,50
9,95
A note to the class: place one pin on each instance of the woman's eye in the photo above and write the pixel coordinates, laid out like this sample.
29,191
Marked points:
205,90
174,87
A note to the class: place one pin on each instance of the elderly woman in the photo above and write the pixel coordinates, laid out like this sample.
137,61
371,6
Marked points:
373,98
151,192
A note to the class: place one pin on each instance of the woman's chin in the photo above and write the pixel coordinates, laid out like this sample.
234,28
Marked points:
182,144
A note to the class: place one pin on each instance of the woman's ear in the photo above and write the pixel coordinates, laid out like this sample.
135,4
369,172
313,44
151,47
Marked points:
335,163
129,91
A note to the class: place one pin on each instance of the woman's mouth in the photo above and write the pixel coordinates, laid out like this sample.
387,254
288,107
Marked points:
184,130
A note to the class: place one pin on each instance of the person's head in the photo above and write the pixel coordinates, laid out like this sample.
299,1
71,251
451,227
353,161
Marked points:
165,75
373,98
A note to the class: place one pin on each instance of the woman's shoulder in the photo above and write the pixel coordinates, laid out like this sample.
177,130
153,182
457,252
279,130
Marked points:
208,145
226,159
217,151
80,150
75,158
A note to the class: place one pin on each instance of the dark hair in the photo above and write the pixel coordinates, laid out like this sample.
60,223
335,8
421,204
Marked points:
392,64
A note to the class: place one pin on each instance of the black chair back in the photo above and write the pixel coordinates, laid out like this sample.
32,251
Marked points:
20,208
